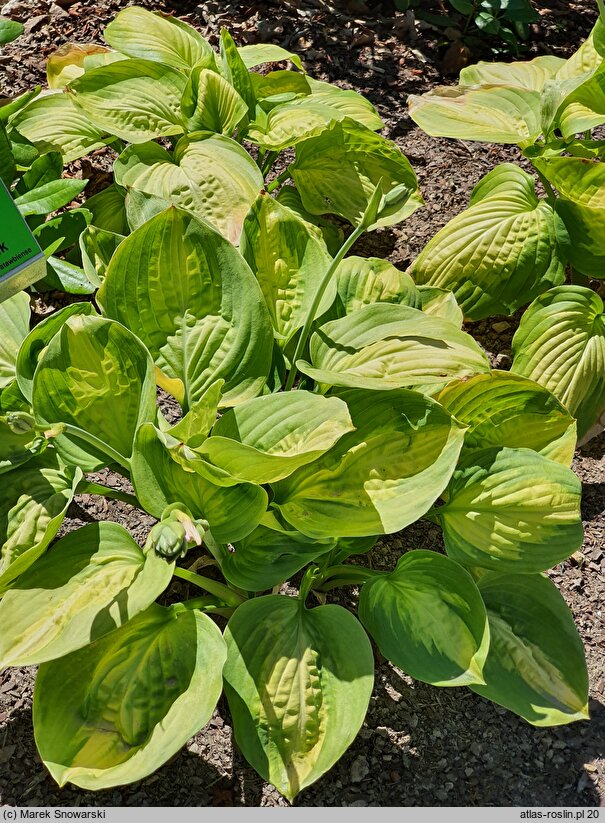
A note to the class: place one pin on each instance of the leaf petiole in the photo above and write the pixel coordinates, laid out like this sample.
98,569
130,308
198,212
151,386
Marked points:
219,590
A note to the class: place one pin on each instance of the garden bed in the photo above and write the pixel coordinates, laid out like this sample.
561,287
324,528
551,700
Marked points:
419,745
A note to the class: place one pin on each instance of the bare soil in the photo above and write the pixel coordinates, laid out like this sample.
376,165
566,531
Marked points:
419,746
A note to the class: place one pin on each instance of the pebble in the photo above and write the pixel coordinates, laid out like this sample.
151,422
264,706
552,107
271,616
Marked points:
501,326
359,769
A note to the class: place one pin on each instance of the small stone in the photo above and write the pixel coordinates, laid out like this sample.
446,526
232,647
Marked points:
500,327
358,803
476,749
502,361
590,767
57,12
12,7
469,771
359,769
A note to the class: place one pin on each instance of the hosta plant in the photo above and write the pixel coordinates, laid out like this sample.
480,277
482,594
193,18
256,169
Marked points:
512,246
326,400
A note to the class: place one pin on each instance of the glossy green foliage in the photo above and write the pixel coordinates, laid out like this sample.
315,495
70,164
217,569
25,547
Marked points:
298,682
142,690
311,402
195,304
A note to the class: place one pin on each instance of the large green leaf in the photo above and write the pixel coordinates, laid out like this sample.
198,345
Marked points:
289,262
560,343
524,74
379,478
136,100
260,53
154,36
269,437
428,618
308,116
511,510
232,508
384,346
499,253
209,175
489,113
91,582
270,554
96,376
364,280
14,327
195,304
536,665
298,683
504,409
54,123
36,343
581,205
210,102
32,507
113,712
337,172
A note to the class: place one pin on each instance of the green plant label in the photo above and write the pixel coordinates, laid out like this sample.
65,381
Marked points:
21,258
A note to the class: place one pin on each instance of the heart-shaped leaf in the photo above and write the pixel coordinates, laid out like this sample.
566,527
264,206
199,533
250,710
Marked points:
492,114
380,477
209,175
581,205
269,437
93,374
32,507
194,303
560,343
383,346
270,554
364,280
298,683
136,100
504,409
536,665
428,618
36,343
501,252
511,509
114,712
289,262
211,103
232,508
54,123
154,36
337,172
91,582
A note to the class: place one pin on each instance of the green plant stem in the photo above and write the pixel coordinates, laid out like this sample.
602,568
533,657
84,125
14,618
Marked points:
208,605
306,330
219,590
85,487
269,160
97,443
285,175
